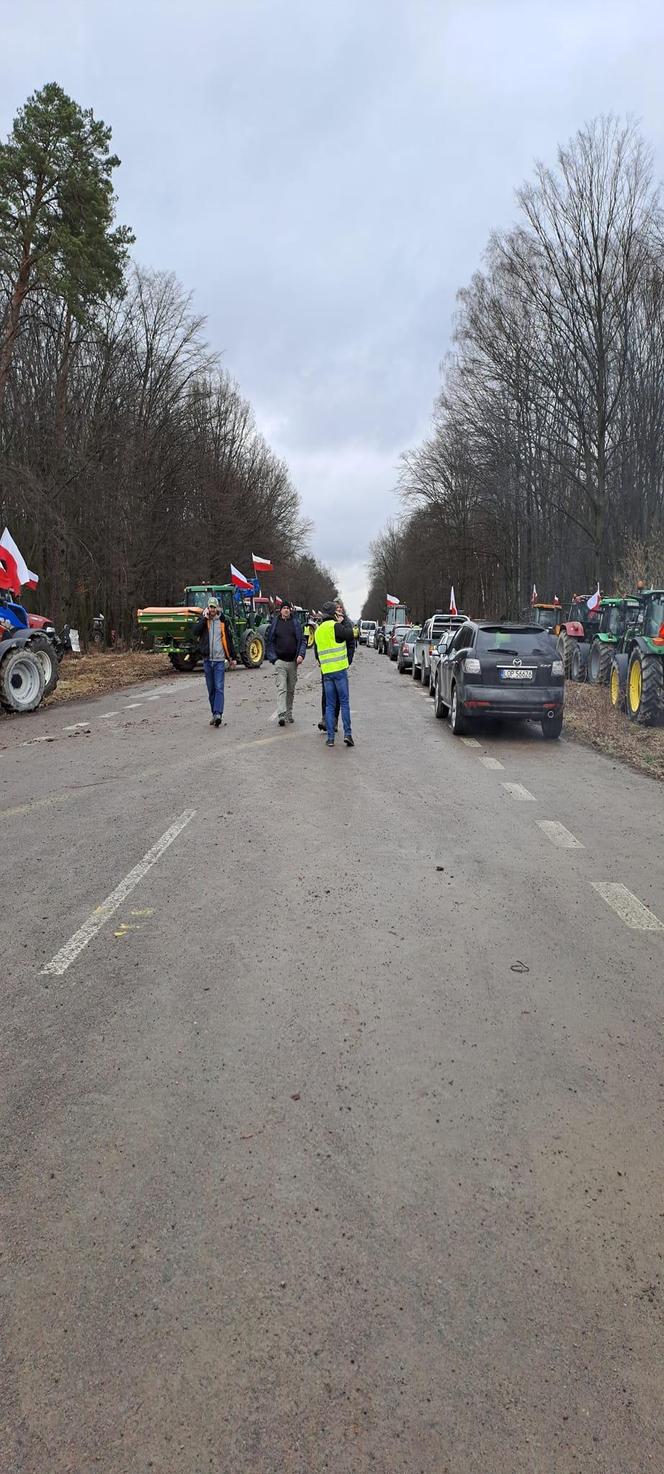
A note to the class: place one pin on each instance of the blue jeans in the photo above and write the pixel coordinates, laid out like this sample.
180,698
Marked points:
215,671
336,695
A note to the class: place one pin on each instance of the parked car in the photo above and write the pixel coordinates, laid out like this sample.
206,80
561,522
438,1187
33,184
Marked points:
405,653
367,627
371,639
504,670
393,638
439,650
428,637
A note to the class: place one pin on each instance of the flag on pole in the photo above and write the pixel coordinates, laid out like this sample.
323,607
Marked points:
453,607
533,597
239,581
261,565
278,601
594,600
556,601
392,601
25,575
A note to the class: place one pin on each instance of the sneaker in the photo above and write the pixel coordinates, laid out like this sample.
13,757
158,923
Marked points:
282,721
211,721
330,742
290,717
322,726
349,741
217,721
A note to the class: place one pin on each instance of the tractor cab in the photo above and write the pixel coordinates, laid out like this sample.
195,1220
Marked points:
615,614
650,621
547,616
579,613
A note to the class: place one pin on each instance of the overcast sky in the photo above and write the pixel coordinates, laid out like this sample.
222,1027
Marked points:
324,174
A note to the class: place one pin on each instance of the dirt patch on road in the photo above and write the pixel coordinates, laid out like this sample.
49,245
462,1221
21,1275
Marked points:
93,675
590,718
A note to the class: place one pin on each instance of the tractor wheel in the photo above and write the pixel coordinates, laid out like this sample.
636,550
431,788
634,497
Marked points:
579,664
618,681
565,648
253,652
599,664
184,661
44,649
645,688
21,680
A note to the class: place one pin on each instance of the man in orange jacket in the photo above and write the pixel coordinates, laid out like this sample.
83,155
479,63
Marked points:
217,646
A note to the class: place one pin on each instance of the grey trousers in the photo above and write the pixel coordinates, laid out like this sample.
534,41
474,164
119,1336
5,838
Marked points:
286,675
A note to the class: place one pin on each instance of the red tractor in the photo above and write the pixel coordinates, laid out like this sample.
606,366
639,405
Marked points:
574,633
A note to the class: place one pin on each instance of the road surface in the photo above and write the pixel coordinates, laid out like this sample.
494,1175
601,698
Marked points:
332,1092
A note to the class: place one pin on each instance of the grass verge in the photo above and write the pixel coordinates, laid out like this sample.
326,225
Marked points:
591,719
95,674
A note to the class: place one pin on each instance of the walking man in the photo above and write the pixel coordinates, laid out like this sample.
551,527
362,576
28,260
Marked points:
286,649
332,650
217,646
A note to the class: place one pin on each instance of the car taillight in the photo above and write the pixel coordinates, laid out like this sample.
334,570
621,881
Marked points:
472,666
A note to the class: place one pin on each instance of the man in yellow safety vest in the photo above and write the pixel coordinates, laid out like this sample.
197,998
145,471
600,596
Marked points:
330,641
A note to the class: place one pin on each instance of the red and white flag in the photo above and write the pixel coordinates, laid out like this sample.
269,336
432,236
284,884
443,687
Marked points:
392,601
27,578
277,600
261,565
453,607
594,600
533,597
556,601
239,581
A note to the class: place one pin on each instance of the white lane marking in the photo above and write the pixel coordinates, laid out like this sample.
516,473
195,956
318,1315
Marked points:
76,726
517,790
153,698
627,907
106,714
492,762
129,705
559,835
68,954
470,742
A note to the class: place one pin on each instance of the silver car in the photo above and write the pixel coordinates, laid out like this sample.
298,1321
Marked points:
428,638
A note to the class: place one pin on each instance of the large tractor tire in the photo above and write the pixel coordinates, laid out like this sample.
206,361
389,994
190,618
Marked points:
599,664
44,649
565,647
645,688
579,662
618,681
253,650
21,680
184,660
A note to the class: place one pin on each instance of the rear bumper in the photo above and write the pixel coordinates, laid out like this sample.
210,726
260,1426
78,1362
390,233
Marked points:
536,702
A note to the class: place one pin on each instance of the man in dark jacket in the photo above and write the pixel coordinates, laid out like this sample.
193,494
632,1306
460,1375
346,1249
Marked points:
215,636
286,649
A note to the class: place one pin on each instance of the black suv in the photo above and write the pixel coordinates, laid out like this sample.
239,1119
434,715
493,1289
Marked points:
501,670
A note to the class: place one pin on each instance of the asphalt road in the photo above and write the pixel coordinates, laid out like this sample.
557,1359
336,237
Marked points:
331,1087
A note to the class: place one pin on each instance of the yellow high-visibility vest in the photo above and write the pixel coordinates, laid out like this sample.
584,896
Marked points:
332,657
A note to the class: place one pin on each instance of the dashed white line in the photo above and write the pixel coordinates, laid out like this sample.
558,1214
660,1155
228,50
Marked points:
559,835
68,954
626,906
106,714
76,726
492,762
130,705
470,742
156,697
517,790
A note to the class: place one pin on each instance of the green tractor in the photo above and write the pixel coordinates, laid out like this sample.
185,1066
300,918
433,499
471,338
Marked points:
615,616
637,669
173,628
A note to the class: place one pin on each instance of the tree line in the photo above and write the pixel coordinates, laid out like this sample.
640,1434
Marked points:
545,460
130,463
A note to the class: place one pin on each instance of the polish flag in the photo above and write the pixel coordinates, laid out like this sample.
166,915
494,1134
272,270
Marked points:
7,545
594,600
277,600
261,565
453,607
392,601
239,581
533,597
556,601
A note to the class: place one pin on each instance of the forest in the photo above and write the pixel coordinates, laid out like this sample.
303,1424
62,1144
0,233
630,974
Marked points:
130,462
544,462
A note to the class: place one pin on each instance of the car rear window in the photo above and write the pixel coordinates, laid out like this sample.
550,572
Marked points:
515,642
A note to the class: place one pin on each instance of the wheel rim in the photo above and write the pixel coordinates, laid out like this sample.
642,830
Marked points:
24,680
635,686
255,648
615,688
46,664
453,709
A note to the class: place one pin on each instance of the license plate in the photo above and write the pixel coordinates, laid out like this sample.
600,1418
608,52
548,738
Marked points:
516,674
75,642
